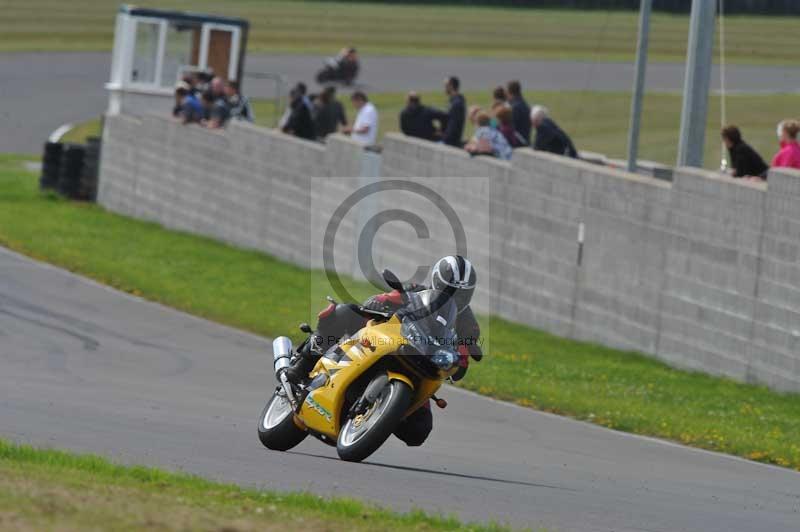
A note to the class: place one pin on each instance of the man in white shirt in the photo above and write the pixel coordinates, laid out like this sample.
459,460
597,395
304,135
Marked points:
365,127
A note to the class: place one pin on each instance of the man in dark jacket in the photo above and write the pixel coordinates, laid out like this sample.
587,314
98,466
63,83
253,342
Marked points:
299,123
520,112
456,113
329,114
744,160
550,137
417,120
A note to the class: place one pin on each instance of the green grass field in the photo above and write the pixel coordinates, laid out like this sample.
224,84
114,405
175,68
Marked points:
252,291
309,27
52,490
598,121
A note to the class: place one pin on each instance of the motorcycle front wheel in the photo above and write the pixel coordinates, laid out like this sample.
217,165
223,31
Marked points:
364,434
276,427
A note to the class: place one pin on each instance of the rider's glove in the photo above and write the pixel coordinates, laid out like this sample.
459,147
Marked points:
384,302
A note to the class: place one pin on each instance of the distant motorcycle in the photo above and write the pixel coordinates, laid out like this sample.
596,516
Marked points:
342,69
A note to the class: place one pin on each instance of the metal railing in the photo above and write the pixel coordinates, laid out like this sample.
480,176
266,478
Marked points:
279,95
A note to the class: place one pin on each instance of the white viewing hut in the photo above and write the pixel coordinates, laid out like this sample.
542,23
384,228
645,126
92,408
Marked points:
154,48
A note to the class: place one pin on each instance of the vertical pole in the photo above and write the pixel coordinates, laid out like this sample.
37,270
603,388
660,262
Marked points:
696,85
638,84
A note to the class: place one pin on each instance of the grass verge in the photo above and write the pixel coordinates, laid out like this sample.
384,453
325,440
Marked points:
46,489
620,390
597,121
469,31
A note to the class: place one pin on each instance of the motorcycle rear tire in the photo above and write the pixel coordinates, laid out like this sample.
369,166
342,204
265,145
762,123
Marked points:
283,435
325,75
390,417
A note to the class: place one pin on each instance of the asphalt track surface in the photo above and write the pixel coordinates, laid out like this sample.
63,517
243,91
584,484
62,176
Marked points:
41,91
86,368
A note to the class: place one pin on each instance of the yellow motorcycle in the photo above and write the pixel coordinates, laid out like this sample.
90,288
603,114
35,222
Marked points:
366,384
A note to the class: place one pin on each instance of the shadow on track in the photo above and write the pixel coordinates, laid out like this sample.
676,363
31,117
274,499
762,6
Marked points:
441,473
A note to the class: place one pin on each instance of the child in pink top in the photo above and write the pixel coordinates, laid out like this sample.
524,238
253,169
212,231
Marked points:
789,154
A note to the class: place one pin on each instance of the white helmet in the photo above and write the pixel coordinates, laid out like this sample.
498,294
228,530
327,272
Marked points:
455,274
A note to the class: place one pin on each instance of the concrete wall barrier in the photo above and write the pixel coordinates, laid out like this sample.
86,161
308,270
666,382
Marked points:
703,272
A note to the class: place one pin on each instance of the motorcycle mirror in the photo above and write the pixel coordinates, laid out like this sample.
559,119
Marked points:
392,280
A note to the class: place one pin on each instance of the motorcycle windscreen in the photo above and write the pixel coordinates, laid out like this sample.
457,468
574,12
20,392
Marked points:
428,321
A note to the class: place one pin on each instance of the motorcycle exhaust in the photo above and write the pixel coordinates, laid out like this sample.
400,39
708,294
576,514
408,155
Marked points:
282,353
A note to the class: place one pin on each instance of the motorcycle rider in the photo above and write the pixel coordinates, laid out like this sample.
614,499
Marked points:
348,64
342,67
452,274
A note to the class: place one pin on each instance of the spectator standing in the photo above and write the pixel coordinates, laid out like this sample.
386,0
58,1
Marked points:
506,127
789,154
744,160
365,127
217,87
520,111
550,137
329,113
497,106
299,122
240,108
499,97
456,111
217,111
417,120
487,140
301,88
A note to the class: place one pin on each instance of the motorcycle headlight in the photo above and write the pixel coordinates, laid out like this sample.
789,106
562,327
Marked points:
444,359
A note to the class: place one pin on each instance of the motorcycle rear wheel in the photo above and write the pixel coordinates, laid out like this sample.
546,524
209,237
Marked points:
276,427
325,75
359,438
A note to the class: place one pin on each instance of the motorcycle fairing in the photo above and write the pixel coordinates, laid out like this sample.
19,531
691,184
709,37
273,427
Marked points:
322,408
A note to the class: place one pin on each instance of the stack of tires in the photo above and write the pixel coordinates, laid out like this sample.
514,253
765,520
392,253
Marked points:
71,169
69,174
91,165
51,162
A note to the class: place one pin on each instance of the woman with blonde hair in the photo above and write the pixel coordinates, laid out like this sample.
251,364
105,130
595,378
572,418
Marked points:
789,154
487,140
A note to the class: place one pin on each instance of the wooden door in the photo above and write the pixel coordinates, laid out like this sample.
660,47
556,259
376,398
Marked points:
219,52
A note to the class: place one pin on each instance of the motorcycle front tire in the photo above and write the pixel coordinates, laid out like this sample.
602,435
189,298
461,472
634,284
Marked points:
279,431
397,396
